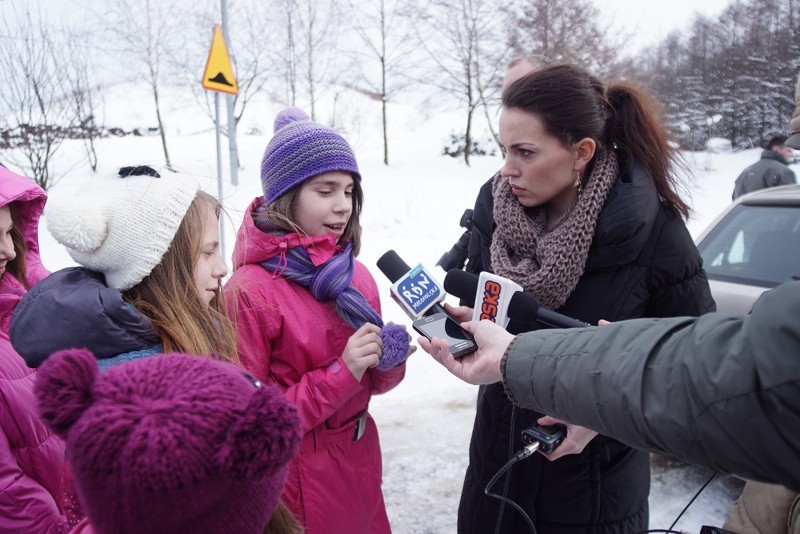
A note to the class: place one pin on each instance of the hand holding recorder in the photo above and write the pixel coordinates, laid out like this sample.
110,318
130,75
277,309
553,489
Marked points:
481,366
497,299
420,296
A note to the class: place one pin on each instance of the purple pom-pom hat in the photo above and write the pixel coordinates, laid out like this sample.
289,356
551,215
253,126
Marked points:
302,149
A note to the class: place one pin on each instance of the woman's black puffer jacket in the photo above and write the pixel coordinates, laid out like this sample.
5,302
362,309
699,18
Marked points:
642,263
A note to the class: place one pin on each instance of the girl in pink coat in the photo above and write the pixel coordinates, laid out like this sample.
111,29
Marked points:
31,457
308,319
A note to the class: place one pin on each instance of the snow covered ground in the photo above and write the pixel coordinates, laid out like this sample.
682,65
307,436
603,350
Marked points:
413,206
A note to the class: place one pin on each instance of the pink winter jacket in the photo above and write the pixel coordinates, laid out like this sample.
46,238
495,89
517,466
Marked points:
31,457
84,527
289,338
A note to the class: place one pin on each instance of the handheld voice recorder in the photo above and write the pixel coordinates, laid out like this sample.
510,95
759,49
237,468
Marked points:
445,327
548,436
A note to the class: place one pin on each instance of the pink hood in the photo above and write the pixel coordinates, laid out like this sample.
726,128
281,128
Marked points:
32,460
30,199
255,246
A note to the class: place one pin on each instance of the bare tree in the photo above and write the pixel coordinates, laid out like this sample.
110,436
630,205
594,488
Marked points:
463,42
37,110
291,61
142,34
257,61
388,47
567,30
491,62
313,28
723,76
85,96
280,48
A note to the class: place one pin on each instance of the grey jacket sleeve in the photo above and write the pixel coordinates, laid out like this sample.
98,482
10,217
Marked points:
719,390
787,178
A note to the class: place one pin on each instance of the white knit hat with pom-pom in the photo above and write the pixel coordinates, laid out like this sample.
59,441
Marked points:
122,225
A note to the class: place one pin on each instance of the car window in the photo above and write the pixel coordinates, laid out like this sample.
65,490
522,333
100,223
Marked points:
754,245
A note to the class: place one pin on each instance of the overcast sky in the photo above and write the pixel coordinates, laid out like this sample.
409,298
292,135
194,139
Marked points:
648,21
652,21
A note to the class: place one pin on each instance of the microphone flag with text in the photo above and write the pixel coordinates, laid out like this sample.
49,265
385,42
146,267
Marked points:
415,290
493,297
519,305
420,296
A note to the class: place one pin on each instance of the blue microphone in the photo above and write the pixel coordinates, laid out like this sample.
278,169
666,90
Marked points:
415,290
419,294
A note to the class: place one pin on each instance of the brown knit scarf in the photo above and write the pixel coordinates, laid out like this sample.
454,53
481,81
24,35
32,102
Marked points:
549,264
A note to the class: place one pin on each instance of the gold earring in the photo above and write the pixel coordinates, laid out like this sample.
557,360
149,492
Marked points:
578,185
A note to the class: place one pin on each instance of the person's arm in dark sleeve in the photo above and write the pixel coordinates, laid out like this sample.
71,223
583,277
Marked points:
719,390
482,230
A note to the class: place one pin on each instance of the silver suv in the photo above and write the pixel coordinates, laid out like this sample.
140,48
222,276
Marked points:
754,245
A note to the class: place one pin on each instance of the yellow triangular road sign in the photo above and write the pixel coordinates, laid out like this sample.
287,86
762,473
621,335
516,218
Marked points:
218,75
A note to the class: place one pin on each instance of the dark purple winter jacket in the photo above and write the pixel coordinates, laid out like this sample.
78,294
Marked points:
74,308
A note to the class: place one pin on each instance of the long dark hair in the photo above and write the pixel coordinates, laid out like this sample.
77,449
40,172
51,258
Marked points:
17,266
574,105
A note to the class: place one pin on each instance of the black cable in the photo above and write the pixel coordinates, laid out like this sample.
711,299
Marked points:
508,476
527,451
696,495
521,455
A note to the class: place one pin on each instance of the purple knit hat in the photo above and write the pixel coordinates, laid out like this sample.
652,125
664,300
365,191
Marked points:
302,149
171,443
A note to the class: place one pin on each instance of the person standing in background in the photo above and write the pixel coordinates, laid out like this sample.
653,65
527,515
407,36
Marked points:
770,171
769,508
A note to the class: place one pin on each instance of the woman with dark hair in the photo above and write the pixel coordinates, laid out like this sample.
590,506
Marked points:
584,215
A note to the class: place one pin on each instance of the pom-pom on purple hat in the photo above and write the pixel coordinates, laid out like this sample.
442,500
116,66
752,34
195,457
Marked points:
302,149
170,444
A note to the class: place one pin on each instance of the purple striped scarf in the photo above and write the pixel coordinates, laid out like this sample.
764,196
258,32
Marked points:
333,281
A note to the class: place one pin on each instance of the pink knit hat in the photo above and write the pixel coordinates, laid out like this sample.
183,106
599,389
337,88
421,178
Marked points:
171,443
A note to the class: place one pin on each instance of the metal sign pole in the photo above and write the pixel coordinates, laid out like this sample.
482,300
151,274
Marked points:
232,147
218,77
219,174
